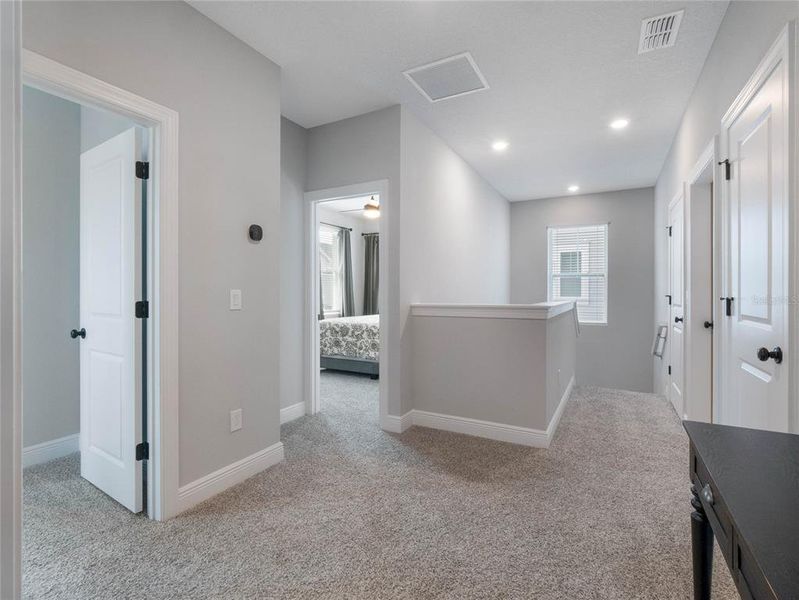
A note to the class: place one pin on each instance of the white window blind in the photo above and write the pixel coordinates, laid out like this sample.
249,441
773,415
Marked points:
330,267
577,260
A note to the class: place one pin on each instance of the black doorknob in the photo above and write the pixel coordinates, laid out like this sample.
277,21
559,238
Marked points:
708,324
763,354
678,319
78,333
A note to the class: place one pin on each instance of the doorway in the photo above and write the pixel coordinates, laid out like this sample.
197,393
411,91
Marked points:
346,284
84,295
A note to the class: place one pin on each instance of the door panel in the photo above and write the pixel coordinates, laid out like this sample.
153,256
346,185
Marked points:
677,308
109,405
755,392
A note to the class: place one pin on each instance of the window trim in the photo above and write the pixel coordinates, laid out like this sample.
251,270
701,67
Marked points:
335,310
606,225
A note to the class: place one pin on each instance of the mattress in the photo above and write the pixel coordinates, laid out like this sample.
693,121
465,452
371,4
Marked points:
353,337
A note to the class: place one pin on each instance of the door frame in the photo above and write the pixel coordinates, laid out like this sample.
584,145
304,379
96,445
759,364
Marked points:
311,260
678,197
784,49
707,159
162,256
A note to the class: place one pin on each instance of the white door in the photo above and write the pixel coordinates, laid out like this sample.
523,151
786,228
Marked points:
676,339
755,388
110,408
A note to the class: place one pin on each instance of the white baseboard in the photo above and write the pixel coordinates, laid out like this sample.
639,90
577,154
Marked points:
295,411
553,424
40,453
396,424
513,434
214,483
484,429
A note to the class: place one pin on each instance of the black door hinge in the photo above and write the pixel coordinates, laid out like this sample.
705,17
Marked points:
669,297
142,170
142,309
143,451
727,304
669,369
727,172
669,230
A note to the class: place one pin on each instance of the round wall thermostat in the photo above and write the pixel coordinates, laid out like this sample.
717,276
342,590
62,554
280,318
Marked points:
256,233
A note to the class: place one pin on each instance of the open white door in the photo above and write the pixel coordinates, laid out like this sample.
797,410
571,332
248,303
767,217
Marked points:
110,408
754,335
677,308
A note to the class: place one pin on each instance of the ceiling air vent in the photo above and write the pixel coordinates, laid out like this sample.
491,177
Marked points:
447,78
659,32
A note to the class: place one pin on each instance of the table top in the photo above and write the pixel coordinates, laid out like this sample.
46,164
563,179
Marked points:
757,474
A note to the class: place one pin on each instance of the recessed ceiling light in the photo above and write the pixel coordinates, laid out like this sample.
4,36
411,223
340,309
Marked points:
500,145
619,124
574,188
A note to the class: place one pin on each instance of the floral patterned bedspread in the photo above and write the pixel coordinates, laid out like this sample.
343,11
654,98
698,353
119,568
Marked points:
353,337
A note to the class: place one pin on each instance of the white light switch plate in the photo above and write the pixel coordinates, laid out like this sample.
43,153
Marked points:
235,299
235,420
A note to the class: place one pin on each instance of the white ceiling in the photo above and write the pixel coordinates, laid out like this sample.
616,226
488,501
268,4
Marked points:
558,73
354,206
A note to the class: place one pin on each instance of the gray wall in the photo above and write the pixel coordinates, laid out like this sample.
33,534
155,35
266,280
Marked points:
228,99
50,267
746,33
293,154
616,355
518,359
98,126
356,150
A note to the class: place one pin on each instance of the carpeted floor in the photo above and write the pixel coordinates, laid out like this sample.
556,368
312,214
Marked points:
354,512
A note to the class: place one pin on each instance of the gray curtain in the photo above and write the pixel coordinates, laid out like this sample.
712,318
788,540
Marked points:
347,294
371,276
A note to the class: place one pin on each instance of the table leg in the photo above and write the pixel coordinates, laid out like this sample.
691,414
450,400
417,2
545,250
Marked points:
702,548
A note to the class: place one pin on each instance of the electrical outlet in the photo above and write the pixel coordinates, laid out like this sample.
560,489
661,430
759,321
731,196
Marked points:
235,420
235,299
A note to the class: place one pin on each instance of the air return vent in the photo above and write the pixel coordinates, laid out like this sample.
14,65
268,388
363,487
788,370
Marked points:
659,32
447,78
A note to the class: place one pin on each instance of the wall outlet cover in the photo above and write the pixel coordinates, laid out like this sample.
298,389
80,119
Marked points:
235,420
235,299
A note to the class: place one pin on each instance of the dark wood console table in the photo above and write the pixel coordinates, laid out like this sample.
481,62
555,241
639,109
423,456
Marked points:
745,486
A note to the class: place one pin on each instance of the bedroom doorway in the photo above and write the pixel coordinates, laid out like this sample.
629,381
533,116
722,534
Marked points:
345,302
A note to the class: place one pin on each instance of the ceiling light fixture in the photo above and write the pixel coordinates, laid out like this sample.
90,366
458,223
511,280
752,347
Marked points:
500,146
619,124
371,210
574,188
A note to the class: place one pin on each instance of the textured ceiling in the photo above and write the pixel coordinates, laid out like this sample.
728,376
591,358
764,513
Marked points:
558,73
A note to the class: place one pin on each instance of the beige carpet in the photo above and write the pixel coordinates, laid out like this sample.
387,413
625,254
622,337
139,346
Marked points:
354,512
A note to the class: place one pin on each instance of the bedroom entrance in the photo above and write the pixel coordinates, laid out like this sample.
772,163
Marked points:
345,299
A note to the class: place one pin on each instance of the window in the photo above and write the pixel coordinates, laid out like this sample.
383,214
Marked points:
577,260
330,267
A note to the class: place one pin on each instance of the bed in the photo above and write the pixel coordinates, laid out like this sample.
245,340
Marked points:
350,344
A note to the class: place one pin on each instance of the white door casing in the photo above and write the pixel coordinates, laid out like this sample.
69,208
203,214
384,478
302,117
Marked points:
110,405
756,141
676,341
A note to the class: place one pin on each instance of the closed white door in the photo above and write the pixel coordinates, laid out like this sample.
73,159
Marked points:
110,410
755,382
676,339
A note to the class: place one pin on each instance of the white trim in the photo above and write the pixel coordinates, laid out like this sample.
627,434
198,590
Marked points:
542,310
10,324
222,479
312,199
396,424
58,79
289,413
502,432
46,451
707,160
